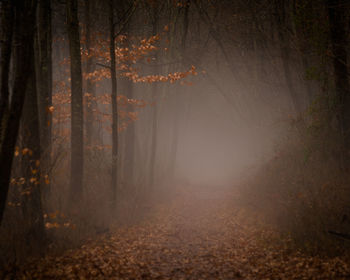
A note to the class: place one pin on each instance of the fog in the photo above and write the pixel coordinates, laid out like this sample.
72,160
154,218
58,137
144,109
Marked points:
213,150
217,144
177,139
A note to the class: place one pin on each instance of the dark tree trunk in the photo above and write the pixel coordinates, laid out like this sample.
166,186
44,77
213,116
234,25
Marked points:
22,52
129,140
283,40
177,105
154,138
33,223
114,105
185,25
6,25
76,180
127,166
90,67
43,59
175,136
339,44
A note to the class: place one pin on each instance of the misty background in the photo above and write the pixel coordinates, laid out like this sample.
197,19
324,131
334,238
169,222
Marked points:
126,104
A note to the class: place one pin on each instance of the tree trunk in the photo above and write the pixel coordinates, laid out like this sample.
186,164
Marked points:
6,20
130,139
90,86
280,14
76,180
177,105
339,44
43,54
23,49
154,138
114,105
33,222
175,136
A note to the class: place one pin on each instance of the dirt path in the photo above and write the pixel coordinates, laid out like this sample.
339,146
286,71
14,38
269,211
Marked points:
198,235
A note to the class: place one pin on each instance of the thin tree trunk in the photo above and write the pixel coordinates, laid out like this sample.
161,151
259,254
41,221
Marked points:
130,139
23,49
154,138
90,86
177,106
127,167
76,179
114,105
175,136
185,25
43,53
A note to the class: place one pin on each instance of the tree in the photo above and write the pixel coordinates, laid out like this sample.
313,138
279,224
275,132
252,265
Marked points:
283,40
154,137
90,68
114,103
33,221
76,179
127,88
338,38
43,59
129,152
24,12
5,57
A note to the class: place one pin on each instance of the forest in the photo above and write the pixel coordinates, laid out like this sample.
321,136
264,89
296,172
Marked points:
174,139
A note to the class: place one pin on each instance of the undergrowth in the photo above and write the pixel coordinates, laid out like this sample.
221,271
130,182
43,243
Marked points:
303,190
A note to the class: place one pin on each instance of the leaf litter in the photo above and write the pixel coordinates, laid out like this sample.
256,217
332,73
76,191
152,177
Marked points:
197,235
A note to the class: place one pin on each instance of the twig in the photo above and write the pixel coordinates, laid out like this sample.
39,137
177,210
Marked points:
103,65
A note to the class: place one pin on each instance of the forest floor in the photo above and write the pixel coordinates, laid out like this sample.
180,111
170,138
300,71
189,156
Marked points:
198,234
